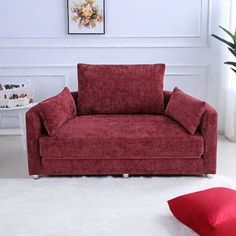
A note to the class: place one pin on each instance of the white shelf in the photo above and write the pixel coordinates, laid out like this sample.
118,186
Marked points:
21,115
18,108
11,131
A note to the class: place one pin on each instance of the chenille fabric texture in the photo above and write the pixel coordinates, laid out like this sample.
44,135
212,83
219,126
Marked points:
57,110
186,110
121,89
116,144
121,136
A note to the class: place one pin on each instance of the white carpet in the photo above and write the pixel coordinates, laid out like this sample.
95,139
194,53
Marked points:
89,206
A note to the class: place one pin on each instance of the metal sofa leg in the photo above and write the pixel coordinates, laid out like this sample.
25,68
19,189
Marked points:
126,176
35,177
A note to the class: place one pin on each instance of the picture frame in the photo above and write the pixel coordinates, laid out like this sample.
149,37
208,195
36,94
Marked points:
86,17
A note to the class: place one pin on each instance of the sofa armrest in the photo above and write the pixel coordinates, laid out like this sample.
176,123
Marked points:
34,130
208,129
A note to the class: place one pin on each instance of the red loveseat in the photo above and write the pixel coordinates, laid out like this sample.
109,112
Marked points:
119,127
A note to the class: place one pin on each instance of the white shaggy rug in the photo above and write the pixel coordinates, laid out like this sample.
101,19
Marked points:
102,206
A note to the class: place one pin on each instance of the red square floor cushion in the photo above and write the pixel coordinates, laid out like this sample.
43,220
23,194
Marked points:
209,212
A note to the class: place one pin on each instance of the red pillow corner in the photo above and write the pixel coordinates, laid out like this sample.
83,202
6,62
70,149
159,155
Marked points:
207,212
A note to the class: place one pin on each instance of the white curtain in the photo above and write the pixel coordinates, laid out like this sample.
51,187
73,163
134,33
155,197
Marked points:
230,115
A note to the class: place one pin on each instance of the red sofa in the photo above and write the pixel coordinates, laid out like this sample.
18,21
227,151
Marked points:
120,130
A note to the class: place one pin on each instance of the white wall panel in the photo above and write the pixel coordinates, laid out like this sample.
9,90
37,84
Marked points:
133,23
191,79
154,18
158,18
32,18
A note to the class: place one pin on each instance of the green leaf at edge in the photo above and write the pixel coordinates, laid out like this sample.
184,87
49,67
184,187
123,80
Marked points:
232,51
224,41
230,63
229,33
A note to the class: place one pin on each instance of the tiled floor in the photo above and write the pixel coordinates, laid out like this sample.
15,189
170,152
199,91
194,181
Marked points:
13,160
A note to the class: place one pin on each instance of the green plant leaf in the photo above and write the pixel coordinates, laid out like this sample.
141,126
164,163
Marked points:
232,51
230,63
227,31
233,36
224,41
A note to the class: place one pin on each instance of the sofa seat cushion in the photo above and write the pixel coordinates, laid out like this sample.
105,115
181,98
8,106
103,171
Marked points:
121,136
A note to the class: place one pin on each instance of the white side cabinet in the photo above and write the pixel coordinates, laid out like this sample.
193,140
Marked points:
20,111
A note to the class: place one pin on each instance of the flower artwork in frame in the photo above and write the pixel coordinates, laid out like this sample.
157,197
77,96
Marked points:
86,16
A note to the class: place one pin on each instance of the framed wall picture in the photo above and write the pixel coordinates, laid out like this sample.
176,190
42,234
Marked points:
86,16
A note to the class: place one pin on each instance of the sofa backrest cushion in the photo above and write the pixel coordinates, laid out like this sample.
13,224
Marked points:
121,89
57,110
185,109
